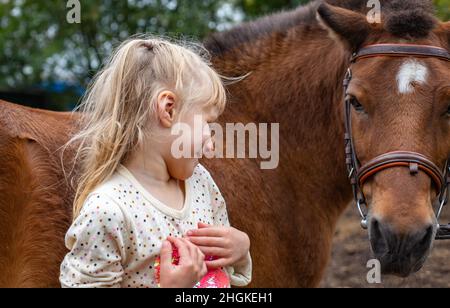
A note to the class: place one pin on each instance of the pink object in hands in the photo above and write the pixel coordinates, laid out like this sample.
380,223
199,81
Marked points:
215,278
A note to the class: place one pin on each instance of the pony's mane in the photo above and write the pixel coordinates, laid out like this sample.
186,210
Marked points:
402,18
219,43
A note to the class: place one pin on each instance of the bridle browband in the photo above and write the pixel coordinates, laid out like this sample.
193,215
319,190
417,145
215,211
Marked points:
415,162
401,50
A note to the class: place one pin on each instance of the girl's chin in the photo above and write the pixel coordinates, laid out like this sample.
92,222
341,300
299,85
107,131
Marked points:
194,164
190,170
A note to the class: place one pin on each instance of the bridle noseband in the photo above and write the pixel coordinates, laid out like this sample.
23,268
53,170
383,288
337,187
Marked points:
415,162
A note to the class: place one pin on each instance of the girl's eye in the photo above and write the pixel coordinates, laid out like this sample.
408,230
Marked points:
356,104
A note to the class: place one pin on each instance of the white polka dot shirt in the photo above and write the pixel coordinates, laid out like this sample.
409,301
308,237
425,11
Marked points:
117,237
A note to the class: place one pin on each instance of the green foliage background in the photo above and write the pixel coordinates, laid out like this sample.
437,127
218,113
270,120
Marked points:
37,45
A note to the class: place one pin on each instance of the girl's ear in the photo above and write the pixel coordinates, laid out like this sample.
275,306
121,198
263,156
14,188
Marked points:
166,108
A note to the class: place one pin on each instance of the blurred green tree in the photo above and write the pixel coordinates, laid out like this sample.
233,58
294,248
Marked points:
443,8
38,44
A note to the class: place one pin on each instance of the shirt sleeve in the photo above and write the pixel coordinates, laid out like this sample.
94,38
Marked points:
239,275
96,241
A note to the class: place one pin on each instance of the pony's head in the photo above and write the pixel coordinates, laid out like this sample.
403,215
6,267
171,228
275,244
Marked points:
399,104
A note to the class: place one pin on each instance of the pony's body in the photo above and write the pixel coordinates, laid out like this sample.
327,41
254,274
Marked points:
289,213
35,202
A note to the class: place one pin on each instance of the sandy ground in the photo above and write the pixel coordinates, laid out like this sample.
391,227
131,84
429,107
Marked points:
351,252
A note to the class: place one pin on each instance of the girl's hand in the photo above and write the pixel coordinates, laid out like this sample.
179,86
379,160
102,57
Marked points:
190,270
228,244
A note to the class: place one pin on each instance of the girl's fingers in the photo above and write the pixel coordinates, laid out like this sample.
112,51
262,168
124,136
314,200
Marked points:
213,251
204,269
207,241
202,225
166,254
217,263
182,248
201,257
209,231
193,251
196,255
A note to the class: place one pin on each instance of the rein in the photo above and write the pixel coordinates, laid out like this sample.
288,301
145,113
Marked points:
414,161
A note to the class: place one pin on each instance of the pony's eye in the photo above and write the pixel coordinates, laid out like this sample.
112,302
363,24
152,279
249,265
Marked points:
356,104
448,111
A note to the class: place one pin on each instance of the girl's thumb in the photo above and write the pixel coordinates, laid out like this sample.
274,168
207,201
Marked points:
166,254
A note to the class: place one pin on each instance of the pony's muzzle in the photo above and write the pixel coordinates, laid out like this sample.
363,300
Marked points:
400,254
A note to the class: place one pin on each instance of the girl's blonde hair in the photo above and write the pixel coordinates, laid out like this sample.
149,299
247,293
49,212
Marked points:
119,106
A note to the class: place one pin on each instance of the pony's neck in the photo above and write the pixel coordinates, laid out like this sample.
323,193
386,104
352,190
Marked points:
296,80
252,43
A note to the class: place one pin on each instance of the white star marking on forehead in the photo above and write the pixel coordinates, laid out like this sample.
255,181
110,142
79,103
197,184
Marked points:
411,71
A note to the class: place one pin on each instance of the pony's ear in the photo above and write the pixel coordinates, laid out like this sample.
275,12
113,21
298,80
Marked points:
352,28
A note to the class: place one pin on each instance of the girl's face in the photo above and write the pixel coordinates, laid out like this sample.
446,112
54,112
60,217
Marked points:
190,137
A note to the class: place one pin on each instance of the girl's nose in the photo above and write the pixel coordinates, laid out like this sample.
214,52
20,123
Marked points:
209,146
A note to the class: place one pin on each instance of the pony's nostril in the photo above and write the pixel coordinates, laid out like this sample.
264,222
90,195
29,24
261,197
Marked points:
377,238
375,225
427,237
420,243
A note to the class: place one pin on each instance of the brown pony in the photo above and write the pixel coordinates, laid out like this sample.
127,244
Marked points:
296,65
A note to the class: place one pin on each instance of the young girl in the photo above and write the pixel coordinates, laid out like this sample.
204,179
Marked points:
142,217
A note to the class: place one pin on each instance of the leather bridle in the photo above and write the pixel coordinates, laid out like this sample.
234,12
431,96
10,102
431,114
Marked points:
415,162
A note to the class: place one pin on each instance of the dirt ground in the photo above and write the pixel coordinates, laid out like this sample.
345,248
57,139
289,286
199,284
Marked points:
351,252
